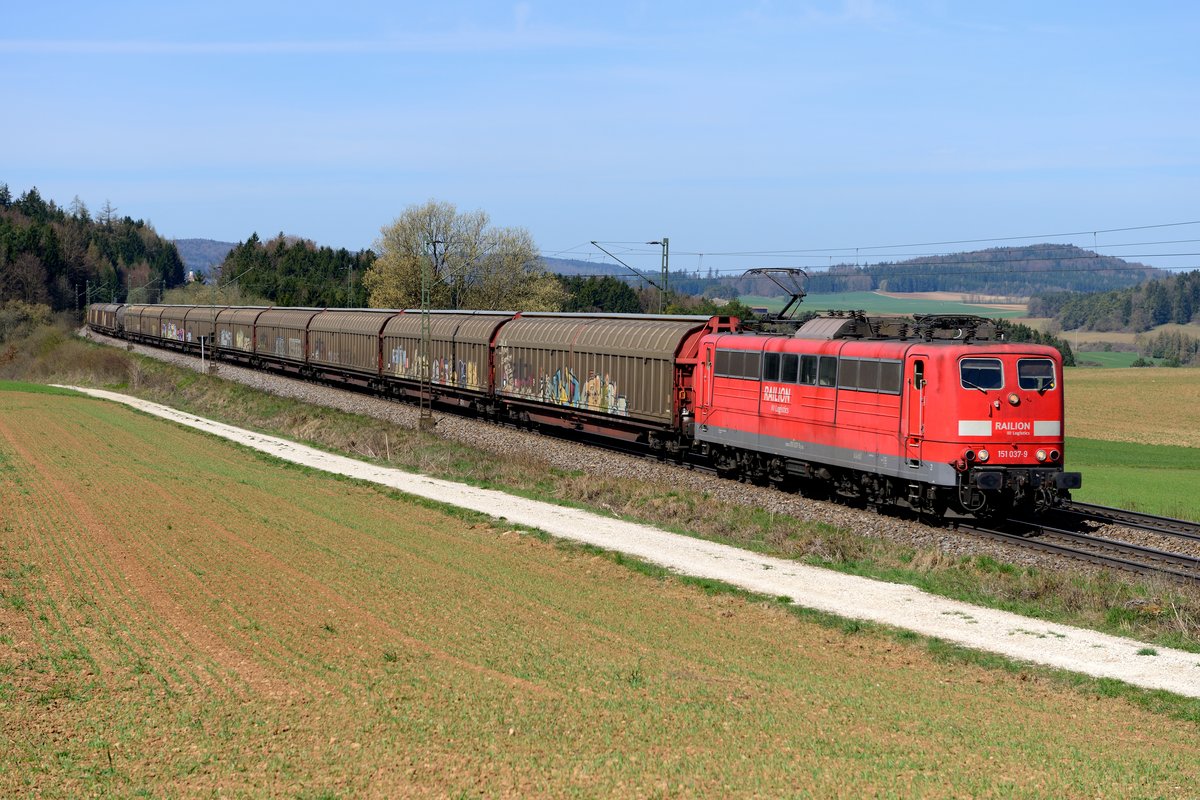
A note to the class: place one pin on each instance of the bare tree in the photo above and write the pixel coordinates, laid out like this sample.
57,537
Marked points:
108,214
24,278
472,265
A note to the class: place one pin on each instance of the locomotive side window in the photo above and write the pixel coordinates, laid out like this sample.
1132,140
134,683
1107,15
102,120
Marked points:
808,370
770,367
722,367
751,366
981,373
1036,374
889,377
847,374
869,375
788,368
827,371
737,364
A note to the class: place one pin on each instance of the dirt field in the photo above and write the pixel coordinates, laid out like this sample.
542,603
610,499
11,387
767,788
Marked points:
1149,406
180,617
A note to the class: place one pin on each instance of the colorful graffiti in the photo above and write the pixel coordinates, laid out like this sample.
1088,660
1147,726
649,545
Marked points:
289,347
177,332
561,387
442,371
238,339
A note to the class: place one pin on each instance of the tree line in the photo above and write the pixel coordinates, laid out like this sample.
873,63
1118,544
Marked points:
65,258
1175,298
1175,348
290,271
1016,332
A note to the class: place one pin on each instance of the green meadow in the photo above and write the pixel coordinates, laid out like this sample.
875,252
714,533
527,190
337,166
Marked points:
1153,479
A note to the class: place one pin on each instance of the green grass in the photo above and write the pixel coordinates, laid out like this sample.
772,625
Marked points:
873,303
1104,359
34,388
1153,479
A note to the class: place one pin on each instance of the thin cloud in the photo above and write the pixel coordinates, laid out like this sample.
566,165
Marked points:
525,38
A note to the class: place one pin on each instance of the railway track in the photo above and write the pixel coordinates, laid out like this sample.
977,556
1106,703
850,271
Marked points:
1088,512
1083,545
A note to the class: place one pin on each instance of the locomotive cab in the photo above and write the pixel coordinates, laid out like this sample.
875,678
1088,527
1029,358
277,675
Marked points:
993,417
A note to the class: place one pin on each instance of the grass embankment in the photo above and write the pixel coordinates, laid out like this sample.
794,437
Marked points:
181,617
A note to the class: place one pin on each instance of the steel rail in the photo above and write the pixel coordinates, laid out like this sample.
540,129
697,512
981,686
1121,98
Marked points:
1179,528
1121,555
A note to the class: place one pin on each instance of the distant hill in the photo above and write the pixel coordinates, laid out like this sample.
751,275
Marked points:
1016,272
997,271
201,255
573,266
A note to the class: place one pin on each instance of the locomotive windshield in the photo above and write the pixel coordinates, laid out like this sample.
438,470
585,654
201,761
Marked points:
1036,374
981,373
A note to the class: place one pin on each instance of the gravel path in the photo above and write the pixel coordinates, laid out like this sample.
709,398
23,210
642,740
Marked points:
1023,638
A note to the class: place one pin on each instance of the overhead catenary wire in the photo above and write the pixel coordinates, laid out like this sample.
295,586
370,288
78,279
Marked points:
991,270
807,257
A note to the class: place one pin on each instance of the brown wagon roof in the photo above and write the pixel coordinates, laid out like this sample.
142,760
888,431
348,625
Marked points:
655,337
363,320
475,327
288,317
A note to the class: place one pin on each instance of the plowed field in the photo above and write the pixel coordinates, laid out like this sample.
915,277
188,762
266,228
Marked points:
179,617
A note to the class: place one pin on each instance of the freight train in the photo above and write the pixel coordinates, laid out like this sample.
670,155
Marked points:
938,414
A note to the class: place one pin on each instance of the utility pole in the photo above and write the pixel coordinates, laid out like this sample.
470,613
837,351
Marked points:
212,335
666,251
428,266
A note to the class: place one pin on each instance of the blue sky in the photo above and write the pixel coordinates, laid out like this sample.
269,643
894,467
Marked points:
751,134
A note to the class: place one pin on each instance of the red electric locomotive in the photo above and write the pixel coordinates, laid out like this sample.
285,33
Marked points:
935,413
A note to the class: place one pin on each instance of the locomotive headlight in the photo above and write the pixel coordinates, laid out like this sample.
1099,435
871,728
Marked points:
1013,400
983,455
1041,455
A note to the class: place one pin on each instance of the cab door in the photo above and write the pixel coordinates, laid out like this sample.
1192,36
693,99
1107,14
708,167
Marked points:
915,389
704,393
